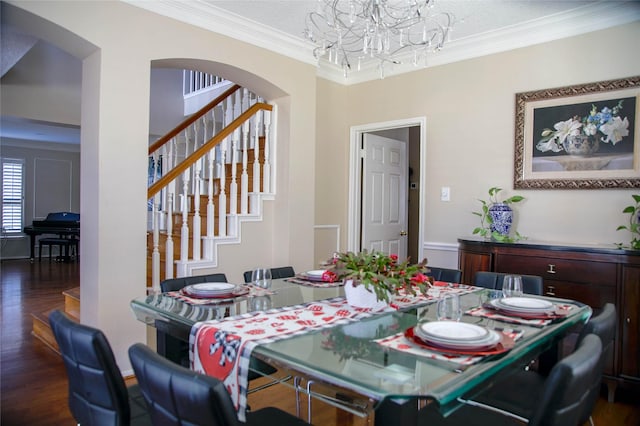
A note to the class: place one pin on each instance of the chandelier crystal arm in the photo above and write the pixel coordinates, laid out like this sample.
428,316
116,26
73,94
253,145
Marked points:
349,31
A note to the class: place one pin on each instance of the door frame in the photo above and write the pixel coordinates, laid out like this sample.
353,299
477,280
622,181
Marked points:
355,176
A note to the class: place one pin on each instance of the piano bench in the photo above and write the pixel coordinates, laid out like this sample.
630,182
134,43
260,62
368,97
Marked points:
63,243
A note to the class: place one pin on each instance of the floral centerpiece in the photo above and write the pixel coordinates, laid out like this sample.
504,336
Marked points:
581,135
381,274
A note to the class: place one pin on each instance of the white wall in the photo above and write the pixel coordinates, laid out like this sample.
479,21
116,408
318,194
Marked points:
470,112
115,124
62,191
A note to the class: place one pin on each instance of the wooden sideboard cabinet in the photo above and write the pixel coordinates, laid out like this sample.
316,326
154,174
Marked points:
593,275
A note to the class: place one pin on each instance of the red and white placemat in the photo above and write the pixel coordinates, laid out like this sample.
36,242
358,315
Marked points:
401,343
406,300
253,291
513,319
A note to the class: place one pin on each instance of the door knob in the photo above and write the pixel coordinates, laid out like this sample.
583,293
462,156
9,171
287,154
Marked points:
403,233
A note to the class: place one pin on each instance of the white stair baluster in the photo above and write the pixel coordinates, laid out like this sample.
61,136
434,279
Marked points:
184,230
222,197
196,213
266,170
155,255
168,246
244,177
233,188
256,162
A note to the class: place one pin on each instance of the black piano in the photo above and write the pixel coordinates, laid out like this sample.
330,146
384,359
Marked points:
63,224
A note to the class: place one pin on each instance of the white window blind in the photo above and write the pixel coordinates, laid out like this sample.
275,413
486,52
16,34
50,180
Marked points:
12,195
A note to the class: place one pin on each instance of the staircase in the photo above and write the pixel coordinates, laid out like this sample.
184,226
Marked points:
42,330
207,176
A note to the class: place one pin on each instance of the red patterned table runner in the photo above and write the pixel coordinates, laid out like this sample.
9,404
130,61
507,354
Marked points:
222,348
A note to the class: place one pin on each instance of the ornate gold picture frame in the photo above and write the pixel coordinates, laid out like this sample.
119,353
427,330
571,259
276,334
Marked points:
579,137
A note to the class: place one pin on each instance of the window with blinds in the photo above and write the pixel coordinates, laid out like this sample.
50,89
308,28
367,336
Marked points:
12,195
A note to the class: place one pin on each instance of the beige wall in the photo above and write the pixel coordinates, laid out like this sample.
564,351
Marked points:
115,123
469,108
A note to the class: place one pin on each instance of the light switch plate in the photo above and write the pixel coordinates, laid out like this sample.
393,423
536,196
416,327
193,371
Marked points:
445,193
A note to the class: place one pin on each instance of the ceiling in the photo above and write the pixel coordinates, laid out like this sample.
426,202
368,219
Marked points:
482,27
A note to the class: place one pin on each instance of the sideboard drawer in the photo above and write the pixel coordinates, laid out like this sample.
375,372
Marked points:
600,273
593,295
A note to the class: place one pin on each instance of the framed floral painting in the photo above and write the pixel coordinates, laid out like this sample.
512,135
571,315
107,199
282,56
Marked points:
579,137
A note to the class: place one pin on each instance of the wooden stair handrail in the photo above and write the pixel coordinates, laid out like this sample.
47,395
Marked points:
200,152
187,122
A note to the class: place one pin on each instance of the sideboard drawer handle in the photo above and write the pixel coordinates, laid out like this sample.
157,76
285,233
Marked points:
628,320
551,269
551,291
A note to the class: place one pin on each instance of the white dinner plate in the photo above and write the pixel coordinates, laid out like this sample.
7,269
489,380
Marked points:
452,331
317,273
491,339
211,288
524,304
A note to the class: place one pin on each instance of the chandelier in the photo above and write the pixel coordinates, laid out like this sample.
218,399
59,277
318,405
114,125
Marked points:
349,33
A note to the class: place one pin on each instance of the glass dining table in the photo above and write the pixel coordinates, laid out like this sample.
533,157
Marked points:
345,365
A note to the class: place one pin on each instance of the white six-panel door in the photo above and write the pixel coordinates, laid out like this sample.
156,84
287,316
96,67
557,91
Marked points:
384,195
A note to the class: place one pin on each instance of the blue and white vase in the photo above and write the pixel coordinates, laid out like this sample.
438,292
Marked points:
502,217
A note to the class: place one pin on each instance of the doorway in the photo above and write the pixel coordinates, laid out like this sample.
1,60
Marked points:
413,133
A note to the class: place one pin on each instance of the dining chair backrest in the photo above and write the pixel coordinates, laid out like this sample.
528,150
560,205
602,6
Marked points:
531,284
445,274
604,326
180,396
567,390
276,273
175,284
97,392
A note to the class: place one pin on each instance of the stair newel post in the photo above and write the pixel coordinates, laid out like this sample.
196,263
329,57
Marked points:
184,231
257,122
168,246
155,255
222,197
266,169
244,177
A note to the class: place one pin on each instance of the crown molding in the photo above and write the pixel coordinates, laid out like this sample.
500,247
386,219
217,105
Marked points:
204,15
588,18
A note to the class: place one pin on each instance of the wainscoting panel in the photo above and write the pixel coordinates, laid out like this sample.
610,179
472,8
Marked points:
443,255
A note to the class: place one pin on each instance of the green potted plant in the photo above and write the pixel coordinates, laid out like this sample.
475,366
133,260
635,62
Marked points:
496,217
380,275
634,223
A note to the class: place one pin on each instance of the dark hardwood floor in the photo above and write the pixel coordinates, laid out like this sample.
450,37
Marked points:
33,379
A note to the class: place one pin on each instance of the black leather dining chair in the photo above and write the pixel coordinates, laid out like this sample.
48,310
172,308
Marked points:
175,284
531,284
276,273
97,392
445,274
563,398
507,394
179,396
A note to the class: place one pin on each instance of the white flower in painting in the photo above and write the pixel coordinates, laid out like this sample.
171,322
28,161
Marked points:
615,130
566,128
590,129
548,145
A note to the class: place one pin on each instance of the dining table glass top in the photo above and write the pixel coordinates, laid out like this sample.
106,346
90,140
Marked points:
350,356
